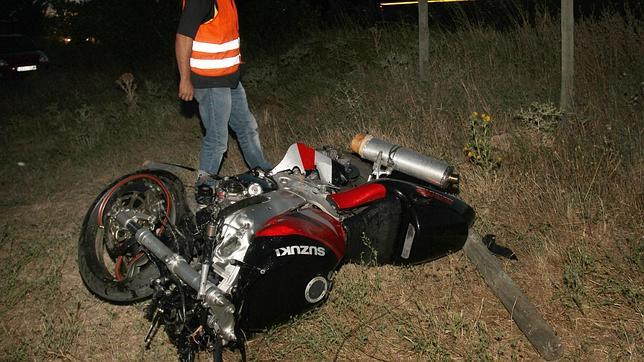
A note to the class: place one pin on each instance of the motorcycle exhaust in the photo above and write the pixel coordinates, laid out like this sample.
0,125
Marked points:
404,160
212,295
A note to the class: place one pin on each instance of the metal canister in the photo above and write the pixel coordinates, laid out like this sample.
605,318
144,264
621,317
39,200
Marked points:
405,160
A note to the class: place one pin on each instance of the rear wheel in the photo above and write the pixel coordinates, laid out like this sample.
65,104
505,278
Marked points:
112,266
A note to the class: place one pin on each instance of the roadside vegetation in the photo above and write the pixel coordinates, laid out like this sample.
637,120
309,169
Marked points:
564,192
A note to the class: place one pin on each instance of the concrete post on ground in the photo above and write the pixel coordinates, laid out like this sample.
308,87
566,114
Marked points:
423,40
566,103
521,310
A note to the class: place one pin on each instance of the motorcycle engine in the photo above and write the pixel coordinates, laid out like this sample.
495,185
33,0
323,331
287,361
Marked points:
238,206
267,246
226,192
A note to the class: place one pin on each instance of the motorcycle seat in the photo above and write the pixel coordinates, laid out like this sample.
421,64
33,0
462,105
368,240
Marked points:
358,196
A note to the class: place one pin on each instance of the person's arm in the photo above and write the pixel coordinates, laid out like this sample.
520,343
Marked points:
193,15
183,49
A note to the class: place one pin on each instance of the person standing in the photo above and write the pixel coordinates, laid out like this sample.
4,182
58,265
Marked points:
208,58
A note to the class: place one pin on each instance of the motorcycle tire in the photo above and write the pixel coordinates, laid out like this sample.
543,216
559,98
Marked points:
147,192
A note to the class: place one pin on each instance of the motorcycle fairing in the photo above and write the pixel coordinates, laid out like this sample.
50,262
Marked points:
310,223
283,261
306,159
373,233
240,227
440,222
410,225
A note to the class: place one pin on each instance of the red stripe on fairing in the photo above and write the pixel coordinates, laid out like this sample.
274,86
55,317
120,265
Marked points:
310,223
358,196
307,155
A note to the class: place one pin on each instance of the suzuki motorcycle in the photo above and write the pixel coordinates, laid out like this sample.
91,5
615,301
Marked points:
254,249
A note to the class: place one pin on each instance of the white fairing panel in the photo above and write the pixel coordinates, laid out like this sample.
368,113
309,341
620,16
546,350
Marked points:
303,157
290,161
324,165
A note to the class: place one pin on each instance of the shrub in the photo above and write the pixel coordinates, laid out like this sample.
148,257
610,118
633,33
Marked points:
479,148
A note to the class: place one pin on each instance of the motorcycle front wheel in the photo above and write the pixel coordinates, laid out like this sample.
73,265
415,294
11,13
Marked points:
110,266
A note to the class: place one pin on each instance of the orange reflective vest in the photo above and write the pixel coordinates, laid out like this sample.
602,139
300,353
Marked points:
215,49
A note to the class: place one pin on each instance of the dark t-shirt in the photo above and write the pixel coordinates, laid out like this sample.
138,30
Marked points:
195,13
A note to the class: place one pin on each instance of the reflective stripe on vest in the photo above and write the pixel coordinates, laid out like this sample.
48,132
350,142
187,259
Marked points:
215,48
198,46
215,63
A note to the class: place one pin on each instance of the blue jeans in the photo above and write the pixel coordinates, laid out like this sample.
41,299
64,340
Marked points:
220,108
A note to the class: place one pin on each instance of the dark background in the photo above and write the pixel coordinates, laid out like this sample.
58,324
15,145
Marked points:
134,31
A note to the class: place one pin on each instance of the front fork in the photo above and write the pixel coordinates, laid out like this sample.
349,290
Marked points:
222,310
210,239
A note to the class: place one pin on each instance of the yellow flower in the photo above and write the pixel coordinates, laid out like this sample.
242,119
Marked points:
487,118
475,114
478,157
470,154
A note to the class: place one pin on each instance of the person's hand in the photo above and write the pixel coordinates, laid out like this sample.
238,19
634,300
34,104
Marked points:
186,90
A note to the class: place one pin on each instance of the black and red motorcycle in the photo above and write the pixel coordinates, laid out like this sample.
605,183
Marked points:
257,248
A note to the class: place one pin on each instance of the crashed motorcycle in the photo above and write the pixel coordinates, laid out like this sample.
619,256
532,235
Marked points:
254,249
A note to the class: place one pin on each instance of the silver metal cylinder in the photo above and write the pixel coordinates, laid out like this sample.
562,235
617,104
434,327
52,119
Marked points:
175,262
405,160
205,269
211,229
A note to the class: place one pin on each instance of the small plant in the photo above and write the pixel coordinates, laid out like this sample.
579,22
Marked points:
376,34
457,325
479,148
127,84
370,257
87,131
638,255
578,266
483,341
542,117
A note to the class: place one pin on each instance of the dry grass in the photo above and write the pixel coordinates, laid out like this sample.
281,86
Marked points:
568,201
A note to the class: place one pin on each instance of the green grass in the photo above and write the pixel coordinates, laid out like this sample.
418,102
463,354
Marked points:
577,267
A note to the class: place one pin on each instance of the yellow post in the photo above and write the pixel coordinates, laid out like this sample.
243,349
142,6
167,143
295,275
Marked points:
566,103
423,40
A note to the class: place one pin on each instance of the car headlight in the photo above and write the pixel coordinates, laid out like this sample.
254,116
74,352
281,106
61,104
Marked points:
43,58
3,63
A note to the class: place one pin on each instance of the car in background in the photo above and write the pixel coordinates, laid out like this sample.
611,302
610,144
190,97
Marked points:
19,55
